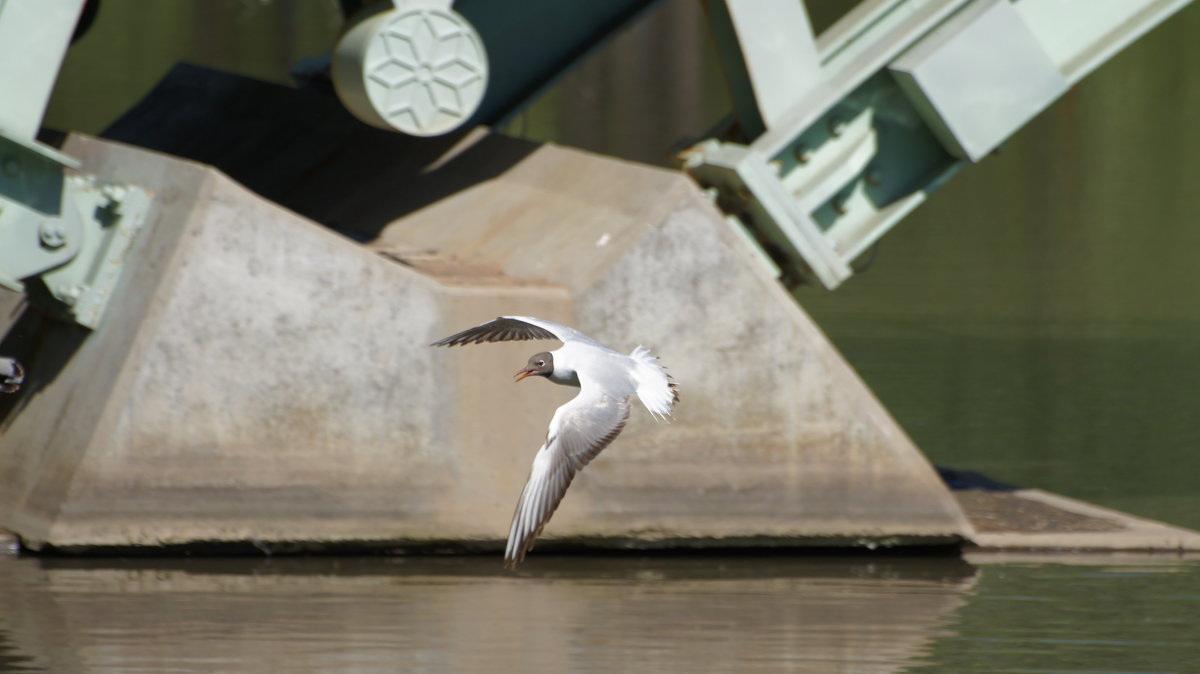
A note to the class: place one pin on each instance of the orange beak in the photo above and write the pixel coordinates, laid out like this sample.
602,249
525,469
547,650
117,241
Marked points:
521,374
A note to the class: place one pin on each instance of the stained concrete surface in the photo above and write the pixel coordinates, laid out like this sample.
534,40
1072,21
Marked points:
775,433
1032,519
260,378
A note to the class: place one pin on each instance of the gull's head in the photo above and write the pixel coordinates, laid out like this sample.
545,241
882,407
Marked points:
540,365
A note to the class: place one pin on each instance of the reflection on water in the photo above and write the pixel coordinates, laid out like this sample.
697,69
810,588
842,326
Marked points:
596,614
1111,615
747,614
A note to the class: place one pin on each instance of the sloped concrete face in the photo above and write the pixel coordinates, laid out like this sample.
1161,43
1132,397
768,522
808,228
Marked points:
261,379
775,436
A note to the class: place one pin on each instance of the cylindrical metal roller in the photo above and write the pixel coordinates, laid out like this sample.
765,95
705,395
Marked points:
419,68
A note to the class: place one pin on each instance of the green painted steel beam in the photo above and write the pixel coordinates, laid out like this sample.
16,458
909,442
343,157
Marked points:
68,233
906,93
33,40
770,53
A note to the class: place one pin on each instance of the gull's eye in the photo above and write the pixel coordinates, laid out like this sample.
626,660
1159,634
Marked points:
540,363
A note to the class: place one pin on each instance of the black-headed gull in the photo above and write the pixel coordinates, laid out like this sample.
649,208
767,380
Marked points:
585,425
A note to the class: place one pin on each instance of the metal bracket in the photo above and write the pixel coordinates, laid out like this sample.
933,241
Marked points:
36,237
906,92
110,216
71,232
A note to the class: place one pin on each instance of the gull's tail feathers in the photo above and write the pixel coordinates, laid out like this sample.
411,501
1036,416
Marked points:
655,387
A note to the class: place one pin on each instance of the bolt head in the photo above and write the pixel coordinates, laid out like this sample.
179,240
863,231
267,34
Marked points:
69,294
52,234
114,192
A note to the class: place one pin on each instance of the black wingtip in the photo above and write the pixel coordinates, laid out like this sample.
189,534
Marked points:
499,330
511,562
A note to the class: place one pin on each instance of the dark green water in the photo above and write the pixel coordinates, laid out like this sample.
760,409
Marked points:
1129,616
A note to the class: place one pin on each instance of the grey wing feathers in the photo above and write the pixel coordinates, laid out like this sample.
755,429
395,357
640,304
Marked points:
561,332
503,329
580,430
543,492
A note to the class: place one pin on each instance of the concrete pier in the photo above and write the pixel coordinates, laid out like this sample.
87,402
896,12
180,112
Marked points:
261,379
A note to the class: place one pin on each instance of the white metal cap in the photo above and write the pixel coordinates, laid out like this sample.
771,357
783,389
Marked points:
419,68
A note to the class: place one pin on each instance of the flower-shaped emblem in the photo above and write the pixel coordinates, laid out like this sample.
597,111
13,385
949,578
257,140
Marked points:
427,70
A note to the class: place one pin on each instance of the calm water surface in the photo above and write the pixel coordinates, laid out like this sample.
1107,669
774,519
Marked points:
599,614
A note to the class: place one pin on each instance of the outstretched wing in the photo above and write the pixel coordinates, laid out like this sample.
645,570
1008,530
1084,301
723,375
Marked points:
514,328
578,432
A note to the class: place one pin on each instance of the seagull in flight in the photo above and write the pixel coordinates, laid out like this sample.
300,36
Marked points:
582,427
